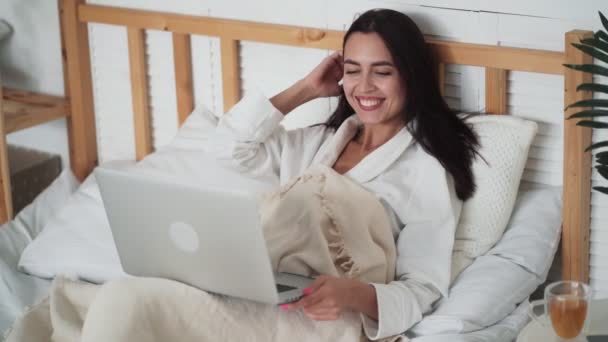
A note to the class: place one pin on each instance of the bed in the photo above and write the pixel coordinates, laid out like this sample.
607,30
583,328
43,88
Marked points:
17,289
24,290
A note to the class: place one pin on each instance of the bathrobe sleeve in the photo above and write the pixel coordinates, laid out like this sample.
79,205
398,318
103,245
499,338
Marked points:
424,252
250,138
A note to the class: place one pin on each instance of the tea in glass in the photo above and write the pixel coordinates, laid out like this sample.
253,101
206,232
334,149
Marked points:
567,313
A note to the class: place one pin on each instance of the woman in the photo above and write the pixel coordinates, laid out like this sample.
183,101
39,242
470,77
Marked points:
393,134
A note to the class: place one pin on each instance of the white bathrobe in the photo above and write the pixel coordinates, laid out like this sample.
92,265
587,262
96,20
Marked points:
417,191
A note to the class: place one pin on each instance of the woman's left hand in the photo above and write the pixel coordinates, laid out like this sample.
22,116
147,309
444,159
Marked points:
328,297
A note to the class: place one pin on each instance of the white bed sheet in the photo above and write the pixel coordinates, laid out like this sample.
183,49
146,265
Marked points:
19,290
503,331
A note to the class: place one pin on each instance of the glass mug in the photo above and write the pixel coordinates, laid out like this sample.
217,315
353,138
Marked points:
566,306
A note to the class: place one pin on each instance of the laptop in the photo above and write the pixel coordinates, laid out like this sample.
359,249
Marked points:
207,238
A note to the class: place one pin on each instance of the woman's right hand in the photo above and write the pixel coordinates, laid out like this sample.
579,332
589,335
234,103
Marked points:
323,79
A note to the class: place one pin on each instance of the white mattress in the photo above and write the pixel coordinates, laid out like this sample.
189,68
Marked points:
503,331
17,290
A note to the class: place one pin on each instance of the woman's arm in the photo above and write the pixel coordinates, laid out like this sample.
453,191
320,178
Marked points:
249,135
322,81
291,98
424,250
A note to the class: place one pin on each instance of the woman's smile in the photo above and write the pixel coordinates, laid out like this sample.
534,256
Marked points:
369,103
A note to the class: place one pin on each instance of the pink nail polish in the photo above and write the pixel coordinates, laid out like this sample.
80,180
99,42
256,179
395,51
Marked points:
284,306
307,291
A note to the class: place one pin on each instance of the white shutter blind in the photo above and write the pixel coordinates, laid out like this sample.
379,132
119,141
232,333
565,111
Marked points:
112,92
272,68
599,214
539,97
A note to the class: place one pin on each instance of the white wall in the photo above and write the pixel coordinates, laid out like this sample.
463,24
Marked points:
30,60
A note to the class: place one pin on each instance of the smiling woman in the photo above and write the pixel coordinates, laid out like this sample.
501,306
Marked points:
389,105
390,81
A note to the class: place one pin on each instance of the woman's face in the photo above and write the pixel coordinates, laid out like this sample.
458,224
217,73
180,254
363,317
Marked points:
371,82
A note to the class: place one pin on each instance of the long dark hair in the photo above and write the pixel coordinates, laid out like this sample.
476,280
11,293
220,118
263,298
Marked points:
437,128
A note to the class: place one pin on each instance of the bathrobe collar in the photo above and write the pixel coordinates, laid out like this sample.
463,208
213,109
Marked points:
371,165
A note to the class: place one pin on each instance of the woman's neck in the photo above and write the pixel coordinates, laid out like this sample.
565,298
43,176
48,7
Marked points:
370,137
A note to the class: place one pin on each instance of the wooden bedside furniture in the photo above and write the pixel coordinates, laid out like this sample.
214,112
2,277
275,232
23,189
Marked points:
20,110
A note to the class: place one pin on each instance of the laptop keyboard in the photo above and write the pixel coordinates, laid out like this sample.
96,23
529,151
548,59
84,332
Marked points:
283,288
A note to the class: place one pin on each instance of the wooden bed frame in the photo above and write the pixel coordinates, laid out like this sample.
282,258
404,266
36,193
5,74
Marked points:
76,14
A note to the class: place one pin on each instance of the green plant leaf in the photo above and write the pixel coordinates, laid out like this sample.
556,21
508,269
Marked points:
590,68
595,87
601,35
604,20
602,154
601,189
596,43
602,170
597,145
592,124
589,50
592,113
590,103
602,160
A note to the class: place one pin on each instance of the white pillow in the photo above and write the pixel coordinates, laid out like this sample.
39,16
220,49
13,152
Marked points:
505,141
16,234
76,237
78,243
35,216
496,282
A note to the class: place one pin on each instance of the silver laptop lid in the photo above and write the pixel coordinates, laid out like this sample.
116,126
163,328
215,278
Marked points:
206,238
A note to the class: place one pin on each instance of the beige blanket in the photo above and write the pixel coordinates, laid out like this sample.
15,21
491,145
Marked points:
320,223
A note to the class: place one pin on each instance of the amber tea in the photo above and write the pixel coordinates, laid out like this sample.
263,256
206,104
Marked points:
566,308
567,313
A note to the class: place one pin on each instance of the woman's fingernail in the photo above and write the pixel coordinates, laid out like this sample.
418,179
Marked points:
307,291
284,306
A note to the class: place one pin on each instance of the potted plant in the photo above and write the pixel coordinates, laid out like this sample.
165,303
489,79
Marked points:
597,47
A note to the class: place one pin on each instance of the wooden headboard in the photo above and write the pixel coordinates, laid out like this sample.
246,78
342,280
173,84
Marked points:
498,61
